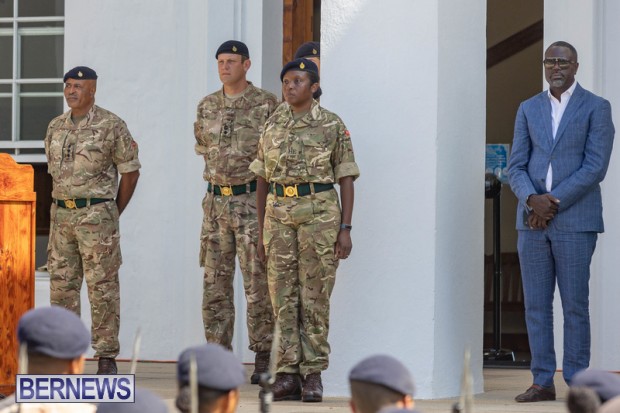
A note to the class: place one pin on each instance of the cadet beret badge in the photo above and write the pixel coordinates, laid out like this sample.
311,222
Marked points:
302,65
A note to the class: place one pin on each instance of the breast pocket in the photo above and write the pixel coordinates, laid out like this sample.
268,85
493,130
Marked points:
245,138
316,154
54,154
93,155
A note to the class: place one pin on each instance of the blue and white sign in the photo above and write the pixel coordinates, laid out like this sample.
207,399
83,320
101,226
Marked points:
75,388
497,160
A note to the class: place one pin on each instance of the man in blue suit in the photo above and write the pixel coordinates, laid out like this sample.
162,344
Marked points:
562,144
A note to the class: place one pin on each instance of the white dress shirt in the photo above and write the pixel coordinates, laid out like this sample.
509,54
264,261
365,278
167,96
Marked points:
557,111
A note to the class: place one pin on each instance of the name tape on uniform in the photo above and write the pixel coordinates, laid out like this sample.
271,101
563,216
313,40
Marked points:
75,388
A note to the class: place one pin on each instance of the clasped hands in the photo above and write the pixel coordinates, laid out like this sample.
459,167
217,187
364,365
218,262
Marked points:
543,209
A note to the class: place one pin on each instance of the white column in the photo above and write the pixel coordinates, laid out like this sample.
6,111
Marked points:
408,79
591,27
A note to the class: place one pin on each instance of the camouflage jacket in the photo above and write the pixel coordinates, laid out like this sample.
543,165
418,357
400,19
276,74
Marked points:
85,159
315,148
227,133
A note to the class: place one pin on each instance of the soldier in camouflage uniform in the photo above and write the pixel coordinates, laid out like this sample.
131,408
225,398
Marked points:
227,129
87,147
304,150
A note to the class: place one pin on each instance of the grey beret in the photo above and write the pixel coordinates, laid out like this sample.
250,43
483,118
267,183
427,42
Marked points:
217,368
386,371
53,331
145,401
604,383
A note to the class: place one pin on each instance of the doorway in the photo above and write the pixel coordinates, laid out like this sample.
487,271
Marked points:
301,23
514,73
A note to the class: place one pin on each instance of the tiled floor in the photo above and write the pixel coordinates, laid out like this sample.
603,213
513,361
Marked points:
501,386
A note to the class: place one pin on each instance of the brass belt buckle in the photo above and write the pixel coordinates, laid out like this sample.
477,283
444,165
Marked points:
70,203
291,191
226,190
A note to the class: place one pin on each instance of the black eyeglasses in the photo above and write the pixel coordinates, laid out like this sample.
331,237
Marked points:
562,63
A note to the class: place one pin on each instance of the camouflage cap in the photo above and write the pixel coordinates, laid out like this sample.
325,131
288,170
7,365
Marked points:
53,331
81,73
308,49
386,371
234,47
606,384
145,401
302,64
217,368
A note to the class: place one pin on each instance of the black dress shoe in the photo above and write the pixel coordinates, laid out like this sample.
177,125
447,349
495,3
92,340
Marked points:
107,365
286,387
261,365
537,393
313,388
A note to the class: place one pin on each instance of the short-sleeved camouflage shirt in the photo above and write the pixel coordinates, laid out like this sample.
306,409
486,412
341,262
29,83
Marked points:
85,159
227,133
315,148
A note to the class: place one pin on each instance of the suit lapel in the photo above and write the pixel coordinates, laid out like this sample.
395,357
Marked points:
575,102
545,110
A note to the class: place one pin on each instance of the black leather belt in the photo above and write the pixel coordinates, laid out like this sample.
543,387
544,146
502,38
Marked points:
79,202
228,190
297,190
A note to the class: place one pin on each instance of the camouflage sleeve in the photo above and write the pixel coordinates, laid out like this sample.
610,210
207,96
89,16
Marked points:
343,158
200,147
48,137
125,149
258,165
273,103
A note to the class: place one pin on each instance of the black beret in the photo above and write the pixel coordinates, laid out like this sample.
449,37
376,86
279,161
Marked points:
385,371
606,384
308,49
145,401
80,72
217,368
234,47
53,331
304,65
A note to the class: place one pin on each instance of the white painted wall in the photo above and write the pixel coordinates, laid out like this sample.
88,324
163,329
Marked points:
409,82
156,60
591,27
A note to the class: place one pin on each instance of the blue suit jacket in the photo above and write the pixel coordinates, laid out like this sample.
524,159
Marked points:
579,156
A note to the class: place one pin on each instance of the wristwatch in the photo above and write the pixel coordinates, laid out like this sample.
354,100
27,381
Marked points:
346,226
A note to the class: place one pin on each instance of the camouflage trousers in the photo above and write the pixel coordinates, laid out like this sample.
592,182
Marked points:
300,236
229,228
85,243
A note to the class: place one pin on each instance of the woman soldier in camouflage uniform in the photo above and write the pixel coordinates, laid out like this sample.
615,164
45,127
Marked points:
303,151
